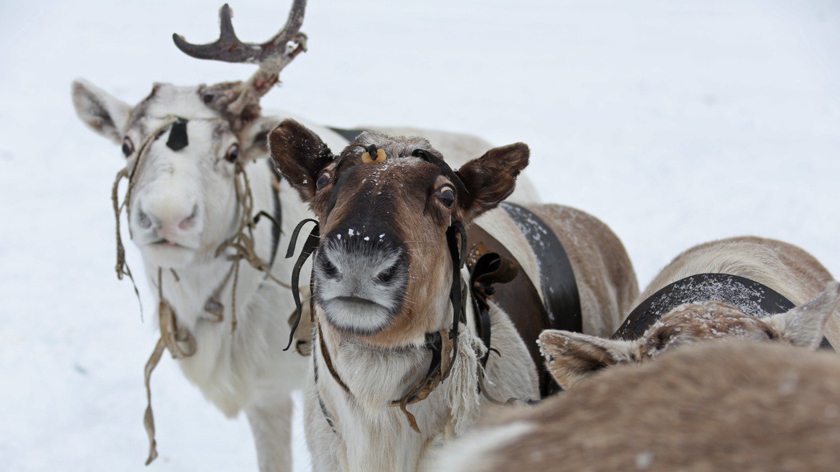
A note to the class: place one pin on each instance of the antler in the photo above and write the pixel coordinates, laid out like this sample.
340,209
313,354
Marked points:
271,56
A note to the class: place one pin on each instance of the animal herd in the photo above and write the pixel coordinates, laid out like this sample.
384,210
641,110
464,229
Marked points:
437,314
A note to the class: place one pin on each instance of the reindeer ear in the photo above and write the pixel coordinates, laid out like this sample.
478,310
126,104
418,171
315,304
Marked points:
803,325
102,112
300,155
491,178
571,357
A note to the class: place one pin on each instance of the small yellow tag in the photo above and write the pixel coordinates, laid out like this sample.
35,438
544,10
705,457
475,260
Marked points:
380,157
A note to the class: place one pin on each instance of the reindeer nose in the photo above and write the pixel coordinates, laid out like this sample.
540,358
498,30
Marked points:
361,259
167,217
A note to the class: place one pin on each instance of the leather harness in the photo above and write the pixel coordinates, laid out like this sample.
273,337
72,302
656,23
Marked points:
748,296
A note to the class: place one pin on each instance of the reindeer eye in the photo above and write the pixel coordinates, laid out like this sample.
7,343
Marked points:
232,153
323,180
446,195
127,147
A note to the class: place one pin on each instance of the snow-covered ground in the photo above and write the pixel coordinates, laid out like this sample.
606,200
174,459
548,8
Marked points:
674,122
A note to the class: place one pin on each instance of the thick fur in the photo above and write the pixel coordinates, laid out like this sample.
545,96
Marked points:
241,370
745,406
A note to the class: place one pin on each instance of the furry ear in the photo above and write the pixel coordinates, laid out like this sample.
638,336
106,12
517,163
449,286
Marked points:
571,357
103,113
491,178
803,325
300,155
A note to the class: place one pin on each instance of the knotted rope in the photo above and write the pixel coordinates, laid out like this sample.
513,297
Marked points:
242,244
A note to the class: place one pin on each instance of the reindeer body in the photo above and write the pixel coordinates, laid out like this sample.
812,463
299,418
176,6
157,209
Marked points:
745,406
786,268
711,315
383,221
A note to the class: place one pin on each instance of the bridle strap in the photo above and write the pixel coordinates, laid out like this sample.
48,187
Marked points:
308,248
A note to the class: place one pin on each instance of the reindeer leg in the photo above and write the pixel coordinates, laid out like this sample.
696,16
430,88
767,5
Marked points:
271,426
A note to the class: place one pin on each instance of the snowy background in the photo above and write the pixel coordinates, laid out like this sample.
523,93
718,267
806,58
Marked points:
675,122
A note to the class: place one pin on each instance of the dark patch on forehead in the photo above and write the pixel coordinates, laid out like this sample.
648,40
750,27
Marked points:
178,135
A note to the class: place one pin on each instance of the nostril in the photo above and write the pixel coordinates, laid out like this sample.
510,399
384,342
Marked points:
387,275
144,220
189,221
330,270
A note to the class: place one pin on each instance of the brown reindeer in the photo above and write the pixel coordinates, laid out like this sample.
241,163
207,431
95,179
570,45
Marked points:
734,406
716,308
392,372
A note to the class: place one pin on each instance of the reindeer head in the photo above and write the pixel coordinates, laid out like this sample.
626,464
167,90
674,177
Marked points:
571,357
383,270
188,141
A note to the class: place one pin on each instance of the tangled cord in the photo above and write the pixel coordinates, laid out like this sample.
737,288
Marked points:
242,242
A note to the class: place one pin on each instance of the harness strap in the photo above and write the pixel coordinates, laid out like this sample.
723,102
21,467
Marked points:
490,268
748,296
557,277
308,248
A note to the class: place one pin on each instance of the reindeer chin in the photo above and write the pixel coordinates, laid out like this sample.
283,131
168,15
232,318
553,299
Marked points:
357,316
168,256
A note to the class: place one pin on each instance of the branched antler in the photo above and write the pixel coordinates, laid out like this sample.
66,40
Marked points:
271,56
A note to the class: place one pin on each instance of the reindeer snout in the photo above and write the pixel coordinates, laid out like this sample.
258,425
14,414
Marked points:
361,278
168,218
361,262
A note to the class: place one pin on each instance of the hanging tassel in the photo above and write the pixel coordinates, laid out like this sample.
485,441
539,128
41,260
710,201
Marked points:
462,390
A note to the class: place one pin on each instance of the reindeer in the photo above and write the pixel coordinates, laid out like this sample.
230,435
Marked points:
747,406
744,287
401,348
199,177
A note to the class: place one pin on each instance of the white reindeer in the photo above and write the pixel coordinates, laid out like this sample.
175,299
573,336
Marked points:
188,152
384,295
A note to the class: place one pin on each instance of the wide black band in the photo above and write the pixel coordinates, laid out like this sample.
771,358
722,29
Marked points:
748,296
559,287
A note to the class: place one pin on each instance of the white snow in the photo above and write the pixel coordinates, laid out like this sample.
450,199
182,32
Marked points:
674,122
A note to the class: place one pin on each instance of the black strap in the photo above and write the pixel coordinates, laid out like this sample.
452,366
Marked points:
309,247
748,296
434,343
559,287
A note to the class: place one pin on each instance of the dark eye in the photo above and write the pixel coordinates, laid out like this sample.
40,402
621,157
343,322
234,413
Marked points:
419,153
232,153
127,147
323,180
446,195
